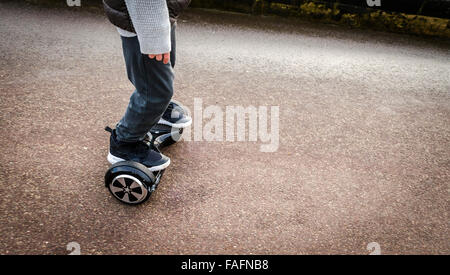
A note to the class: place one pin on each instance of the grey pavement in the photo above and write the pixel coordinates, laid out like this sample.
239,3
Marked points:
364,152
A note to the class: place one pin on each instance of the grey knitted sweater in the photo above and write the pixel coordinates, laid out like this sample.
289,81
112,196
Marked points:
151,21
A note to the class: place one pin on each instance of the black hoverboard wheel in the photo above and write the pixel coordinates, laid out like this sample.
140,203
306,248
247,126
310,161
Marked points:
131,182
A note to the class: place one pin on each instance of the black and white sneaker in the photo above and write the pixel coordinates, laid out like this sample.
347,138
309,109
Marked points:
139,152
175,116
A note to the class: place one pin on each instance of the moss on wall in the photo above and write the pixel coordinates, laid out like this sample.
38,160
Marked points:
321,12
368,18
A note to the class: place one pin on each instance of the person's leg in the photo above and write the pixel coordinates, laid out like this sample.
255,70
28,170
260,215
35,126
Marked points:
175,115
153,81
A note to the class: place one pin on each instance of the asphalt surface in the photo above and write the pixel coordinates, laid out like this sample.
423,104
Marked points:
364,139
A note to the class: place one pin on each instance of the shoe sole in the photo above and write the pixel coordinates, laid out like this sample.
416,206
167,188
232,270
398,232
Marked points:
113,160
175,125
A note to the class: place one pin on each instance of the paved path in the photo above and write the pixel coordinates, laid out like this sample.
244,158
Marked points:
364,139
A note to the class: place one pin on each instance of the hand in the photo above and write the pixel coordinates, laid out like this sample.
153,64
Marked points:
165,57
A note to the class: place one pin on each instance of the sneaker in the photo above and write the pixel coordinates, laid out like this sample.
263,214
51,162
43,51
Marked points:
140,152
175,116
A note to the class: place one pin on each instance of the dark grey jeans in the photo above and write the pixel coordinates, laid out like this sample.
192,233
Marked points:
153,81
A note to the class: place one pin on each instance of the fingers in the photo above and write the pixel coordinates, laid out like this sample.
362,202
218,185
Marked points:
161,57
166,58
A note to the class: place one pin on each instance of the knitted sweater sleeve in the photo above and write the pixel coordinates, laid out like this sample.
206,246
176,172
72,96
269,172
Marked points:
151,22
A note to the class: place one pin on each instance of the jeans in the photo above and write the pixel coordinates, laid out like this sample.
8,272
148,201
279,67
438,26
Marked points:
153,82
